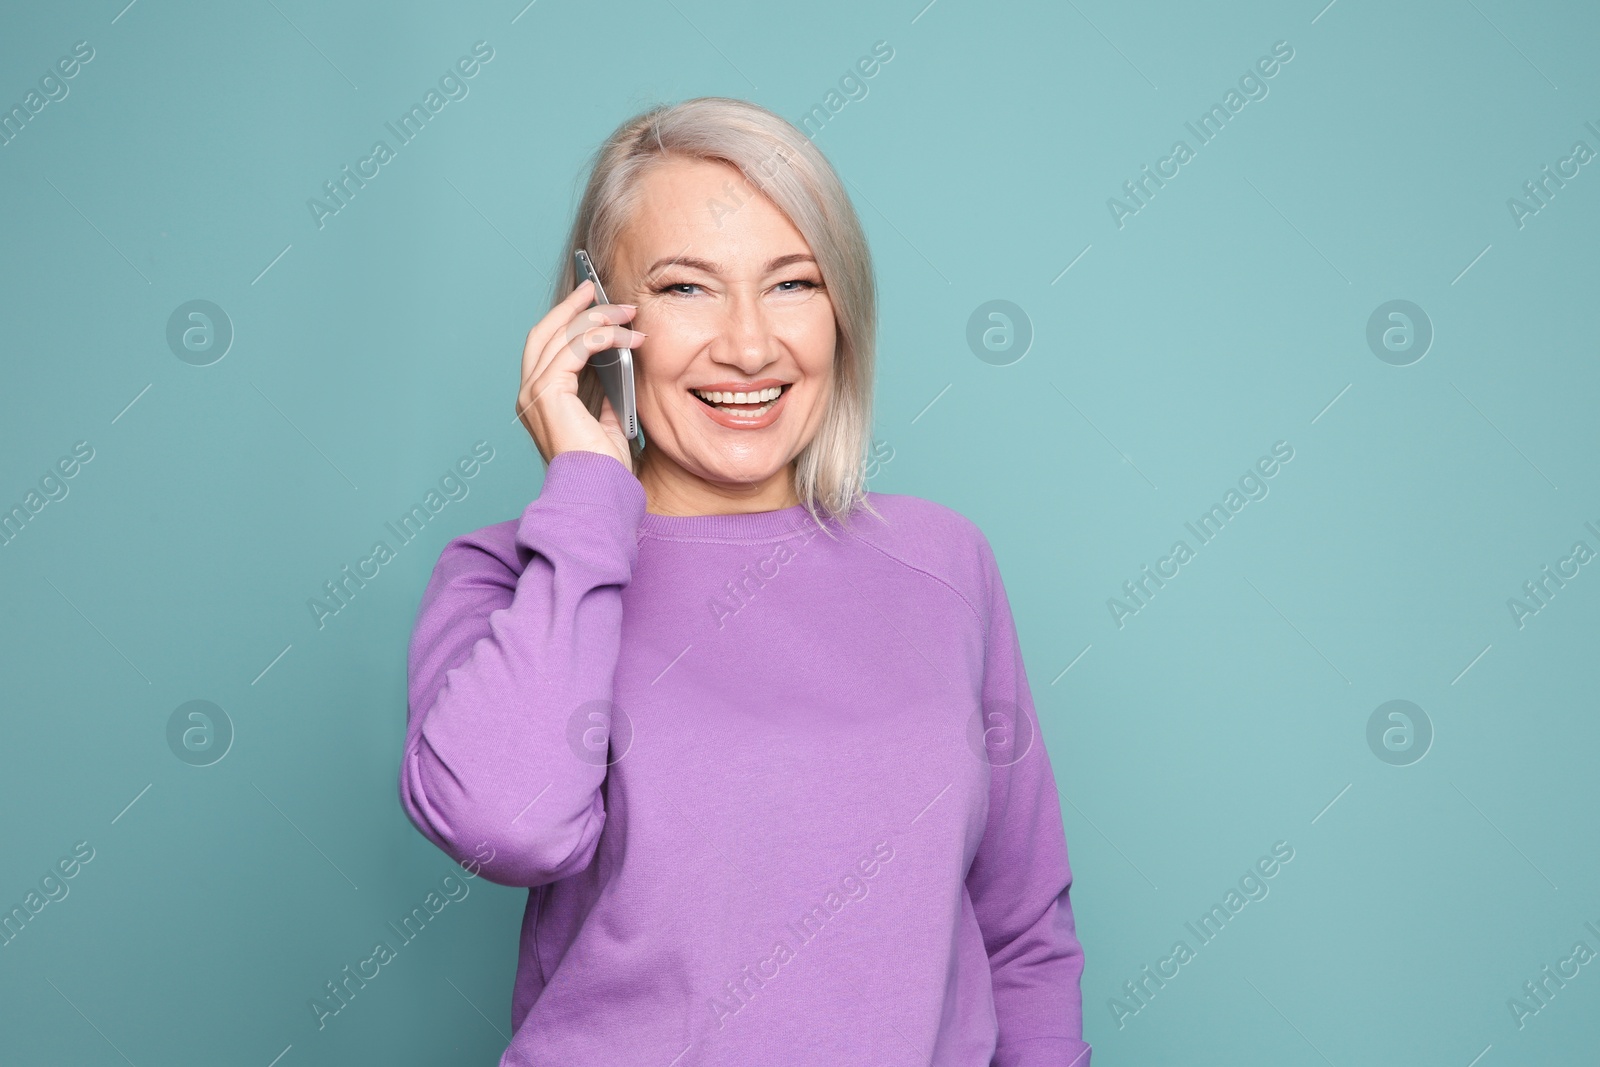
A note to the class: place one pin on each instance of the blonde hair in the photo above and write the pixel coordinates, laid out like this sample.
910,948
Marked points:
782,164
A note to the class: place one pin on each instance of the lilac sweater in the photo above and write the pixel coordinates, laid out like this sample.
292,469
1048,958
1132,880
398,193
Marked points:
778,798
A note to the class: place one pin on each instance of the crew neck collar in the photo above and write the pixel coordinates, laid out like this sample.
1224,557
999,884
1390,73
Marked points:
746,527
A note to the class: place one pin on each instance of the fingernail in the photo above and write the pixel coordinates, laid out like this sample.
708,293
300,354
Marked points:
637,336
634,306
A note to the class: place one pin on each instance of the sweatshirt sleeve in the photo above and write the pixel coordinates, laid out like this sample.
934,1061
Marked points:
510,642
1019,880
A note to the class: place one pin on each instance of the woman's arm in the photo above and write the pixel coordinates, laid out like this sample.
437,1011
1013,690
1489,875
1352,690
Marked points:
509,644
1019,879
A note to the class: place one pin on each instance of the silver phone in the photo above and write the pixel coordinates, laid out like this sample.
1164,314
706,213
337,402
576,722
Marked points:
614,365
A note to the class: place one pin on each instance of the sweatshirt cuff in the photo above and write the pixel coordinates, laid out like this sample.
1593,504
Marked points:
582,477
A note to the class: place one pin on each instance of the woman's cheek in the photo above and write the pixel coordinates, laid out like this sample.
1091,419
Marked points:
821,342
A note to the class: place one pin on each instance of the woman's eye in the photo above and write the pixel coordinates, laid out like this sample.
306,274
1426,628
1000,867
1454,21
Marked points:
679,288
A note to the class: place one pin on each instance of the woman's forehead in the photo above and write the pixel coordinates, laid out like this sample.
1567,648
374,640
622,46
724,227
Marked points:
706,213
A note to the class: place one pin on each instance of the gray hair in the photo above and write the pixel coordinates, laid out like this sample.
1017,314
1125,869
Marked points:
781,163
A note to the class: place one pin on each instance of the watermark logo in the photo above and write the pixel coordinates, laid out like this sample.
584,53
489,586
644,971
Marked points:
1252,485
454,84
1138,993
338,992
53,887
720,210
822,911
53,89
1539,191
740,591
882,453
199,733
1540,590
1000,733
851,87
999,333
1252,86
54,485
599,733
453,486
1399,333
199,333
1399,733
1542,989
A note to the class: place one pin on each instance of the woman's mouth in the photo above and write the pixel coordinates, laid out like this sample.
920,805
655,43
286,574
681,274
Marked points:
753,403
743,411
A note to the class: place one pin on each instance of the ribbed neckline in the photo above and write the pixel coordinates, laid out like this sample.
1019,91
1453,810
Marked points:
748,527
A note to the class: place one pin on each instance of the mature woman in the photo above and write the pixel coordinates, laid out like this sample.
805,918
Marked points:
759,742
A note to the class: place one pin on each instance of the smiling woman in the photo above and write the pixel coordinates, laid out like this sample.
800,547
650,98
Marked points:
694,797
780,285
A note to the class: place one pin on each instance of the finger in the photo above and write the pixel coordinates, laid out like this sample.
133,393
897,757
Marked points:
568,356
551,323
560,365
599,315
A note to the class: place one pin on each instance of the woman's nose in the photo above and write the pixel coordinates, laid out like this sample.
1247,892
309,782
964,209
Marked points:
747,333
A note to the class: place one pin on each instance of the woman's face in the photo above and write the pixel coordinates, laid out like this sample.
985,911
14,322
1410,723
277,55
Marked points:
733,302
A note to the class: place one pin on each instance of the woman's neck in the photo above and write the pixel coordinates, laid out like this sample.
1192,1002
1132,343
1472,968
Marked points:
671,490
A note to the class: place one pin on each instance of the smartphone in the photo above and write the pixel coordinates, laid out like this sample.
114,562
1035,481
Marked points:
614,365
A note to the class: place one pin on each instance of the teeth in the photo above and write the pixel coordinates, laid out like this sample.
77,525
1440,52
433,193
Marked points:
762,410
759,396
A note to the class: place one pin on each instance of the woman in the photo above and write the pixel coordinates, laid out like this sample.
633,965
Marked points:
760,743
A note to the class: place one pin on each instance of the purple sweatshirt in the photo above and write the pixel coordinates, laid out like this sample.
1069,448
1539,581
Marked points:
779,798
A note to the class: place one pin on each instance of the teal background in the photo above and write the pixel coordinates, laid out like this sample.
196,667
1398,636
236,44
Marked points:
1228,314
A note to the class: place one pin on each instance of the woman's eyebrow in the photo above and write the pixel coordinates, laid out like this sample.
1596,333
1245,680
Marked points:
694,263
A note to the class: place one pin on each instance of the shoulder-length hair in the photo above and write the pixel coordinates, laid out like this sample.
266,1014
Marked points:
780,162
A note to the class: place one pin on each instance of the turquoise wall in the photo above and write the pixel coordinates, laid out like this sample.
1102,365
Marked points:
1348,282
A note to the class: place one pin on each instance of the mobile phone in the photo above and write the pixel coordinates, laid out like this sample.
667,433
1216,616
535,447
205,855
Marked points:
614,365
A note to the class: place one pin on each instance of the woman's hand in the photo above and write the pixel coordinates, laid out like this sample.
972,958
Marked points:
557,349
